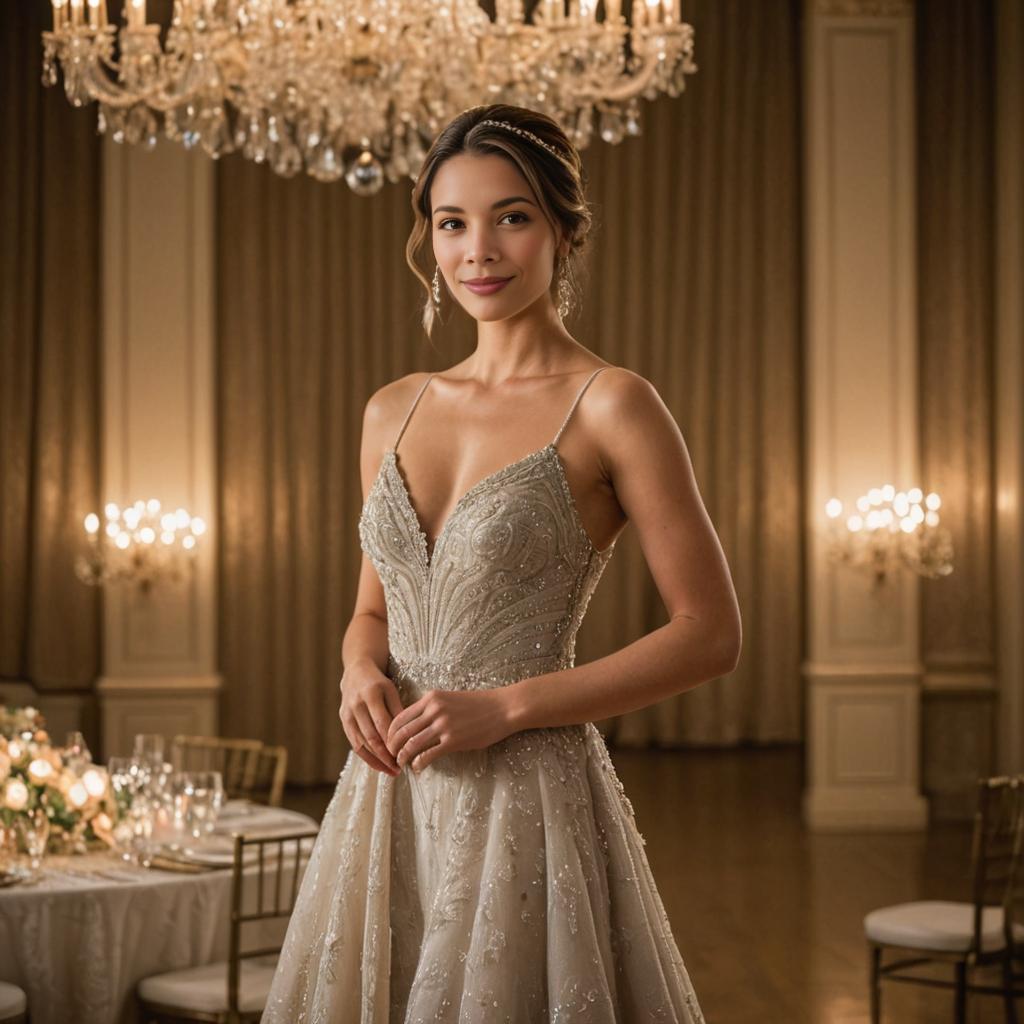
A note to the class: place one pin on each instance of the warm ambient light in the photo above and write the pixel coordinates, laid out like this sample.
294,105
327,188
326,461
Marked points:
890,528
127,548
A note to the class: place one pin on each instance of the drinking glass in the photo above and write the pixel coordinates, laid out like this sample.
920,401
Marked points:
207,800
77,750
34,829
125,782
182,791
150,746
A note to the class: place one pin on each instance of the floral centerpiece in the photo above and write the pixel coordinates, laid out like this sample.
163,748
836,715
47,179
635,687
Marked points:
74,794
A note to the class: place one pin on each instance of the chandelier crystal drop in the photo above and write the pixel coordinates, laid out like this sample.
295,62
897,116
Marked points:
358,89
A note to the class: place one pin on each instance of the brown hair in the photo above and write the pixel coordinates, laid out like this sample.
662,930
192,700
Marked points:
557,179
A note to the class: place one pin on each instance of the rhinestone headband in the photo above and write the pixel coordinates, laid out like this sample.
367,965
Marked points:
522,131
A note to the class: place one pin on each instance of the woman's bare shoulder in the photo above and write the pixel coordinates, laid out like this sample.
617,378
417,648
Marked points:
386,407
620,391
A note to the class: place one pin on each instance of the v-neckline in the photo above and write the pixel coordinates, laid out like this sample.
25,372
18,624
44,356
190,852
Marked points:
429,553
429,556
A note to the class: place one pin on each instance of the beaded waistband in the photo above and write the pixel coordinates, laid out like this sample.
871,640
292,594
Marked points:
414,676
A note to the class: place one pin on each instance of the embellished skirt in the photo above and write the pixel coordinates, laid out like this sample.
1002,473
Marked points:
502,885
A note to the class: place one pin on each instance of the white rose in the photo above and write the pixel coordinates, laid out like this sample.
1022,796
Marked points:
95,782
40,771
16,794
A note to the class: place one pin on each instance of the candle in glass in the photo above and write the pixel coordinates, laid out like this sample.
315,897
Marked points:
76,12
612,10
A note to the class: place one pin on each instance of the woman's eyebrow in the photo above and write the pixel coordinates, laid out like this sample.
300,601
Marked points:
499,203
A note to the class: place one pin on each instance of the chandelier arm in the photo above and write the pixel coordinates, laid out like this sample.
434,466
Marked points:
633,85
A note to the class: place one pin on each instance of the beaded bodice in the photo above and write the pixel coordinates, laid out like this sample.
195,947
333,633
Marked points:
505,588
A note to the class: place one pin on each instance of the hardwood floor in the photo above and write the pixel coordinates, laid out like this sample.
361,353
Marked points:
769,917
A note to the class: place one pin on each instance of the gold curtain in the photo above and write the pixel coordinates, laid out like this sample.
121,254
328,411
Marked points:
956,195
49,367
956,308
694,283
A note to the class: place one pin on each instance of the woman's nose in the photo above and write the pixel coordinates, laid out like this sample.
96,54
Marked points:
480,246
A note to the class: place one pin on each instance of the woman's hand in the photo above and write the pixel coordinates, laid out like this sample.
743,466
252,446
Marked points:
442,721
369,702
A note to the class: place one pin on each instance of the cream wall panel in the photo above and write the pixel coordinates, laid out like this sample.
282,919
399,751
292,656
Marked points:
863,668
158,430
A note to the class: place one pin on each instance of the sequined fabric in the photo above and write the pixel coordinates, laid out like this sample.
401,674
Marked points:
500,886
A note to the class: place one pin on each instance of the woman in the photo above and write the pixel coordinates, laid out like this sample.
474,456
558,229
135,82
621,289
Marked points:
479,861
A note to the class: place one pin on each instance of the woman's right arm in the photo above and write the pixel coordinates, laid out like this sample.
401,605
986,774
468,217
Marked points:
369,699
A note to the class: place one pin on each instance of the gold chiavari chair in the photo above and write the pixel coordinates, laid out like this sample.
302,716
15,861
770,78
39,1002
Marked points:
264,886
988,932
251,770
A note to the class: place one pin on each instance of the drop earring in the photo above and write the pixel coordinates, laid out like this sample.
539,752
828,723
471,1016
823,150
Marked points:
564,291
437,286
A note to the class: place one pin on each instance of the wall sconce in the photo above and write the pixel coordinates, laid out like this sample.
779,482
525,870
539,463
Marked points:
139,545
890,529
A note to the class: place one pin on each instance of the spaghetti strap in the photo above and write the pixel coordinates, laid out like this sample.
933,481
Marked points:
408,415
576,401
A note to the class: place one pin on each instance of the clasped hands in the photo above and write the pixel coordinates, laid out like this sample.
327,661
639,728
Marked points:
389,737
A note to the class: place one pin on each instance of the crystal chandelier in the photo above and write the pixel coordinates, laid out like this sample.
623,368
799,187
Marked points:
360,88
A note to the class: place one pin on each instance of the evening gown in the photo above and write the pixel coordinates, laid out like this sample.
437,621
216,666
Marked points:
507,884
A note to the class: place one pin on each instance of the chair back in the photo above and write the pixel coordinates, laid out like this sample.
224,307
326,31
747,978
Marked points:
998,880
264,887
251,770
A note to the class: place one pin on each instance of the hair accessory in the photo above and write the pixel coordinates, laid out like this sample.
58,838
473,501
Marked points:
522,131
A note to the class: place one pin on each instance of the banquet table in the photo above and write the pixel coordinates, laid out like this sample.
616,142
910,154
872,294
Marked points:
80,938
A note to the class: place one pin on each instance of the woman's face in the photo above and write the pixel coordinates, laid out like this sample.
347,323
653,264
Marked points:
485,222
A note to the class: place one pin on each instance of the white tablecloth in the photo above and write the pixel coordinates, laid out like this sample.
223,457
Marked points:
78,945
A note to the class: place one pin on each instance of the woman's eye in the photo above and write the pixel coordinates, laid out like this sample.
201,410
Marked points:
455,220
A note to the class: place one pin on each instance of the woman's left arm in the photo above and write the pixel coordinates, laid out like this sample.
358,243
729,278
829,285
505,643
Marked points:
644,458
647,462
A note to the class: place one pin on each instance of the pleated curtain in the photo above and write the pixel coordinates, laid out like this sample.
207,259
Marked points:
49,369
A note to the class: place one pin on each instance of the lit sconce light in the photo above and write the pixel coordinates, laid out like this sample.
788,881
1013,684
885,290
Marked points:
889,529
138,544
